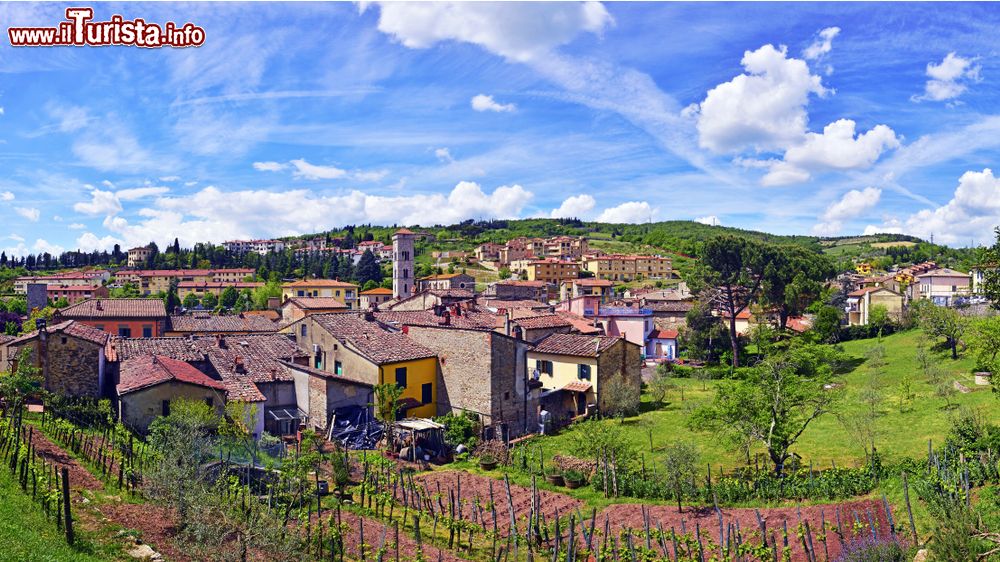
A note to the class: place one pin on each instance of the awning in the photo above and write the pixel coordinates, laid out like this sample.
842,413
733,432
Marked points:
577,386
283,414
408,403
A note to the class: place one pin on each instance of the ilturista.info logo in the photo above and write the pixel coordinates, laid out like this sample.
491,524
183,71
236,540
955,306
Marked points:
79,29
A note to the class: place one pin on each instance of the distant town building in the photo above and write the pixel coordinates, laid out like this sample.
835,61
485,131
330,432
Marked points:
375,297
342,291
861,302
552,270
446,281
89,277
623,268
943,285
75,293
146,318
137,257
258,246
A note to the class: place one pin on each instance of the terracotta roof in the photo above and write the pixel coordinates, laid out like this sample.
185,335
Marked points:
403,231
182,349
943,272
543,321
452,293
861,292
575,344
798,324
150,370
591,282
115,308
69,328
513,303
272,315
326,374
371,339
219,285
517,283
378,291
580,324
466,320
664,334
669,306
319,283
201,322
577,386
443,276
315,303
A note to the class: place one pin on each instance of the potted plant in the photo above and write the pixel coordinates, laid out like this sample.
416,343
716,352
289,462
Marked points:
487,462
555,477
574,479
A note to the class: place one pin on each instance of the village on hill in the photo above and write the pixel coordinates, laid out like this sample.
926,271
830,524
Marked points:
525,355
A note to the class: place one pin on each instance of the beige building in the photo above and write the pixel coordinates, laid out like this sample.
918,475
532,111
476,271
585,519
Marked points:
299,307
861,302
552,270
617,267
375,297
153,281
943,285
576,371
447,281
137,256
488,252
346,293
147,385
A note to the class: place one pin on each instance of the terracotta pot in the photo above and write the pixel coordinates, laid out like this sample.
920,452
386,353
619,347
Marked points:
488,465
555,479
574,484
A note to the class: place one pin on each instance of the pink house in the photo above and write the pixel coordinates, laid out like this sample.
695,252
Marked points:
633,323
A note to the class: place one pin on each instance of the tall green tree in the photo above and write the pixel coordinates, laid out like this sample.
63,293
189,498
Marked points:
989,262
793,278
941,322
368,269
731,275
228,297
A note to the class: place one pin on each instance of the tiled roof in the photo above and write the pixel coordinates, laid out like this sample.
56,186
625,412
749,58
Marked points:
377,291
312,303
543,321
221,323
664,334
466,320
69,328
452,293
575,344
325,374
577,386
669,306
150,370
272,315
861,292
403,231
219,285
115,308
513,303
943,272
319,283
182,349
580,324
371,339
442,276
591,282
517,283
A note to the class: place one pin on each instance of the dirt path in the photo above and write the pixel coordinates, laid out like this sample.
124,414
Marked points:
79,477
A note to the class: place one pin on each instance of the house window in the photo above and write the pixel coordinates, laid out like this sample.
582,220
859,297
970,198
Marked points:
125,332
583,372
99,326
302,293
147,331
401,377
427,393
506,395
63,340
338,367
318,361
209,402
544,367
165,407
303,330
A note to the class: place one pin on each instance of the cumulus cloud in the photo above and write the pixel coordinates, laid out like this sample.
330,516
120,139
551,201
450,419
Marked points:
853,204
77,226
30,213
212,214
269,166
949,78
574,207
630,212
483,102
971,214
838,147
309,171
710,220
519,32
822,44
101,203
90,242
6,196
44,246
762,109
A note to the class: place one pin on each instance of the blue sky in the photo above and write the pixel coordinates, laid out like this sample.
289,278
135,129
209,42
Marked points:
831,119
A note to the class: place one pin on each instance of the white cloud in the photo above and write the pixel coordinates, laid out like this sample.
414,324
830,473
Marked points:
971,214
135,193
483,102
6,196
630,212
763,109
2,110
112,147
309,171
373,175
14,237
852,205
77,226
838,147
212,214
822,44
101,203
949,79
518,32
170,178
269,166
89,242
890,225
70,118
710,220
444,155
574,207
30,213
41,245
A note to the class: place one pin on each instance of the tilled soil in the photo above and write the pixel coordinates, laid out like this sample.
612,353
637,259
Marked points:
475,498
373,530
157,525
79,477
630,516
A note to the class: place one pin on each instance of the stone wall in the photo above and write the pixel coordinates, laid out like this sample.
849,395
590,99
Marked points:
70,366
620,362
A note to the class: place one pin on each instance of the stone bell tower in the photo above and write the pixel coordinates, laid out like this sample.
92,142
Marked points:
402,264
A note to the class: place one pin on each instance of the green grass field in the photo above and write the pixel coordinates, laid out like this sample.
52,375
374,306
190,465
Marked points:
904,433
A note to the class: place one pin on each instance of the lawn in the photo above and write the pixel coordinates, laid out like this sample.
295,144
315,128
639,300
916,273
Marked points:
25,534
904,433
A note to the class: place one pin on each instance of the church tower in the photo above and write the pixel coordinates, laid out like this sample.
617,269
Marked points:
402,264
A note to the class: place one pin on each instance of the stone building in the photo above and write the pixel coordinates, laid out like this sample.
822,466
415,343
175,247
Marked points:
137,257
69,354
148,384
204,324
448,281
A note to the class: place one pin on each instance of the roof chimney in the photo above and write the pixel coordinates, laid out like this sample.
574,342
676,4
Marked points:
446,318
220,341
99,305
238,364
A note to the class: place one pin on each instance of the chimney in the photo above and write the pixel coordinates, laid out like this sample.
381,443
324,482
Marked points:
220,342
99,305
238,365
446,318
369,316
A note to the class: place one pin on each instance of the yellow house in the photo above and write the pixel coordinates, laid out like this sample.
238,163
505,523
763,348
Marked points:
575,371
356,347
344,292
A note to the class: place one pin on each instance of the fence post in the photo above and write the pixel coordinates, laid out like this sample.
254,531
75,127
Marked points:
66,505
